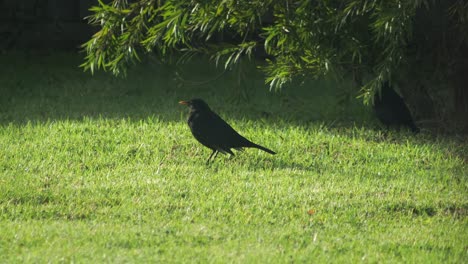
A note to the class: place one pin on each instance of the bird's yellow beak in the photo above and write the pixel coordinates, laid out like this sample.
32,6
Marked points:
183,102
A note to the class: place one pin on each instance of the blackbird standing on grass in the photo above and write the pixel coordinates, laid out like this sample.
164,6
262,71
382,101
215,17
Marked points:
213,132
391,109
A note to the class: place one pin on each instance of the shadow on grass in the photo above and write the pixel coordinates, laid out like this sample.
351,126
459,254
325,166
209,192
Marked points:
42,88
263,162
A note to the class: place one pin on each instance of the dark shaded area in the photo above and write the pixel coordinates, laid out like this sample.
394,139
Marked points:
391,109
42,87
434,80
44,24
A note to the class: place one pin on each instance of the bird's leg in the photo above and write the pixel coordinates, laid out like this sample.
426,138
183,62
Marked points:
215,155
212,153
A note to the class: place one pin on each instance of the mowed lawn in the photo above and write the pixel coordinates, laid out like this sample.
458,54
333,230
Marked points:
101,169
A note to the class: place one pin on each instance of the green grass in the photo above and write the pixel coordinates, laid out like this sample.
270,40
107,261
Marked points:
102,169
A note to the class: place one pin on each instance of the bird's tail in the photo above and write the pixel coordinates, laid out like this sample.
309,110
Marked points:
253,145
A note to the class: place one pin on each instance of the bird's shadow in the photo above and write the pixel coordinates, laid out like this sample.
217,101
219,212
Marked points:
268,162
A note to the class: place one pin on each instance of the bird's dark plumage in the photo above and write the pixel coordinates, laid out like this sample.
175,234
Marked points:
391,110
213,132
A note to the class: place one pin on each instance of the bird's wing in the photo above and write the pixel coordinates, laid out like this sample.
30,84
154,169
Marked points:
226,136
210,130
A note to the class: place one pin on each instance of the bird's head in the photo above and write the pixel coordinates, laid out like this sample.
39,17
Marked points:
195,104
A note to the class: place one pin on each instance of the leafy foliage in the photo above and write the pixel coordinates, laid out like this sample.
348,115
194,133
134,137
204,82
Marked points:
300,38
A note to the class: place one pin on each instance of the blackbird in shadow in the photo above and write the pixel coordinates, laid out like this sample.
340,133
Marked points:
213,132
391,110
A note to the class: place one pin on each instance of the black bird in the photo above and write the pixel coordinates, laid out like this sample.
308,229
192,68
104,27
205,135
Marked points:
213,132
391,110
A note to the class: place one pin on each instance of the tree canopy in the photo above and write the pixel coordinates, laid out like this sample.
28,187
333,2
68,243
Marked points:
371,40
